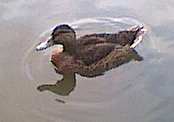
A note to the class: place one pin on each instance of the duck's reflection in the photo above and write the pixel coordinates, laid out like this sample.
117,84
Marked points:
62,87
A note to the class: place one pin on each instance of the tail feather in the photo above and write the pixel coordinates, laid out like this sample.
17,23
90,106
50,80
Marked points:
139,33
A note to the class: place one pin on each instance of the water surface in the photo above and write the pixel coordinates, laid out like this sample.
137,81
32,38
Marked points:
133,92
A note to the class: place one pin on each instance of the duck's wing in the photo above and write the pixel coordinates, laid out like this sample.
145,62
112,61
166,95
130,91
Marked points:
93,39
92,53
123,37
117,57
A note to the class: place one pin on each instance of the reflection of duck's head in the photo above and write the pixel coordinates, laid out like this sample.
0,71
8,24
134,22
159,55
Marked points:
62,34
63,87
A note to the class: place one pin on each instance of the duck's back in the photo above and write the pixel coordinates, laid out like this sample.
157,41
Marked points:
121,38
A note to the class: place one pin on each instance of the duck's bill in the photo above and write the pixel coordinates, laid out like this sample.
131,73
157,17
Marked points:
139,37
44,45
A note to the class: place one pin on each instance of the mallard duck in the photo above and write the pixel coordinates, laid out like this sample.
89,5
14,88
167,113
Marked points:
93,54
90,55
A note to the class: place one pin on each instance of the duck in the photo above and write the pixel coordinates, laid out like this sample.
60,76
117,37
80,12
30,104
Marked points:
94,54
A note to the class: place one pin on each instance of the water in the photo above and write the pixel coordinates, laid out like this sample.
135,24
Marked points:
133,92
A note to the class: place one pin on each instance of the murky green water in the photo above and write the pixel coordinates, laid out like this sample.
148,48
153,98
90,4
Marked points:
134,92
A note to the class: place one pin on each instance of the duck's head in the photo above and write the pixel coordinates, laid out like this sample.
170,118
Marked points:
61,34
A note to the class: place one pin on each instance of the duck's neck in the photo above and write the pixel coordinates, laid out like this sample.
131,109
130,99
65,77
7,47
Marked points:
70,48
69,43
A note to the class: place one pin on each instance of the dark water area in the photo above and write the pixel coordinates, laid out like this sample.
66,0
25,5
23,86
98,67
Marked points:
134,92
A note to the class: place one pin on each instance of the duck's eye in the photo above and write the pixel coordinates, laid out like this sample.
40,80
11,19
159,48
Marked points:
55,35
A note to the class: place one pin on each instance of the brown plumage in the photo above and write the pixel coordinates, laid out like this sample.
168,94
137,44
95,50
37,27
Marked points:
89,56
92,55
66,64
